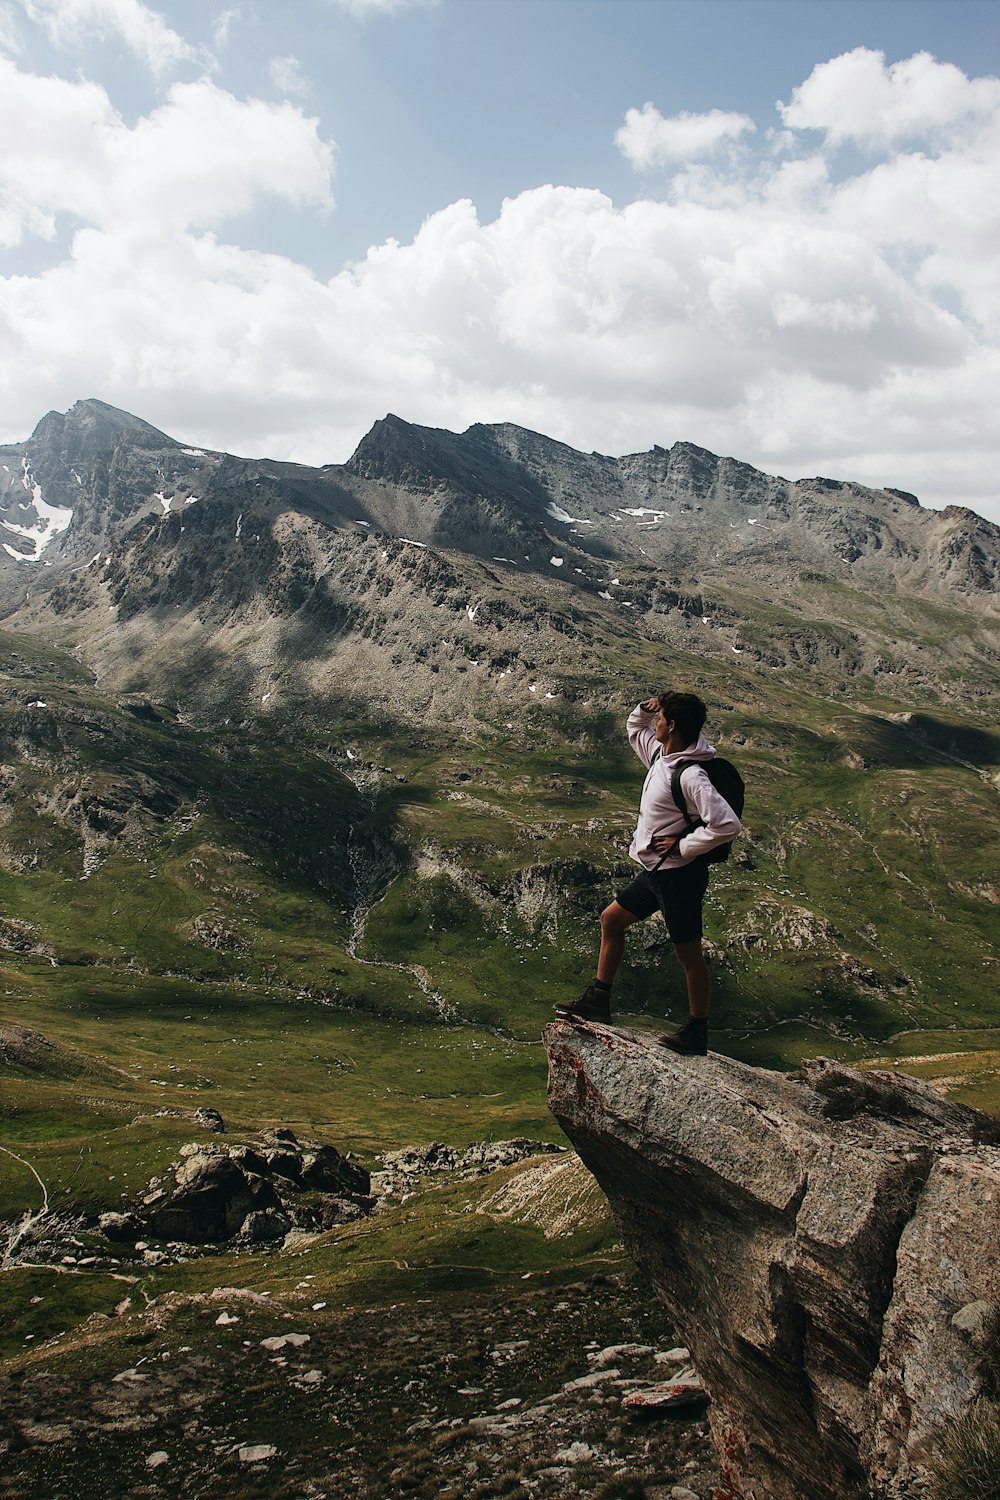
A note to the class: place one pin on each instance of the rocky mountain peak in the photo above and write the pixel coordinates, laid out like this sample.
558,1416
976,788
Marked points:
90,428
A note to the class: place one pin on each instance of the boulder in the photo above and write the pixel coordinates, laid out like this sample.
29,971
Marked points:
329,1172
282,1162
249,1159
813,1239
264,1227
212,1199
122,1227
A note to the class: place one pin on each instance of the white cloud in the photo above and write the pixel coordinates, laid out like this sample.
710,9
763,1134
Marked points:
855,97
765,309
11,40
143,31
195,160
287,75
648,139
223,26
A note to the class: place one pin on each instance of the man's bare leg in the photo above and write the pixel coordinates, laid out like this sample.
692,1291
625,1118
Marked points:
699,985
595,1002
615,921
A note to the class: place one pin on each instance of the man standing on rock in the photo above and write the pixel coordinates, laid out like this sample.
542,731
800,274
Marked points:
671,849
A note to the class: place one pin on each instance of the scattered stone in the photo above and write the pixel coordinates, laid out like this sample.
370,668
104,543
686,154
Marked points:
257,1453
210,1119
598,1377
225,1319
677,1356
401,1169
671,1395
618,1351
279,1341
156,1460
576,1453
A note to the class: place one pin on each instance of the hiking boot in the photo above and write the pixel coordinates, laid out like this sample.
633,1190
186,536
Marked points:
593,1005
690,1041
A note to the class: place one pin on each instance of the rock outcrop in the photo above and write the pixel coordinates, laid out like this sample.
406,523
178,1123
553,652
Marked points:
255,1192
829,1246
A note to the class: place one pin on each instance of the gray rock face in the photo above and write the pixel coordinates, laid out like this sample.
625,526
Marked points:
814,1241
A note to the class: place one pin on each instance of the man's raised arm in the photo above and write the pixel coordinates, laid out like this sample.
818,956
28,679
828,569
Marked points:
642,731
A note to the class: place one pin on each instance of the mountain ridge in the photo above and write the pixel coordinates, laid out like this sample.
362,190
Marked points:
480,564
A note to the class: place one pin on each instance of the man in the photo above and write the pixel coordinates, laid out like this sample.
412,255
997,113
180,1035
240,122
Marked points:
664,731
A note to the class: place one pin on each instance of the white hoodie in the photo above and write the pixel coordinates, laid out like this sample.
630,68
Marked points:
659,813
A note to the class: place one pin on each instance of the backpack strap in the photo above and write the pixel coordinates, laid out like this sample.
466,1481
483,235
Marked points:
678,795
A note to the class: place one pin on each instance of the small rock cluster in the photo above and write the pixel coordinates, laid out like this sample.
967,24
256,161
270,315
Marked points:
248,1194
402,1170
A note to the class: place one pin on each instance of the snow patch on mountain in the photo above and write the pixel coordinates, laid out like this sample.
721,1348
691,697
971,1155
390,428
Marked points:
51,519
558,514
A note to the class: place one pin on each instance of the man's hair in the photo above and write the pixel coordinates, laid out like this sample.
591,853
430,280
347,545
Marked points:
686,711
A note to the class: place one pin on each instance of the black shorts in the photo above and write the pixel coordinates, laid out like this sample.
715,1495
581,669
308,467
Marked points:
677,893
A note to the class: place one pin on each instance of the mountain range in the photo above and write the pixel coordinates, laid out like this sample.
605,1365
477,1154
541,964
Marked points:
475,564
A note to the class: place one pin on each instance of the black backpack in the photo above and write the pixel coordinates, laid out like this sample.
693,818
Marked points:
727,782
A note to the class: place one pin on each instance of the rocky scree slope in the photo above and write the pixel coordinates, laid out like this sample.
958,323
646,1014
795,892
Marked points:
829,1248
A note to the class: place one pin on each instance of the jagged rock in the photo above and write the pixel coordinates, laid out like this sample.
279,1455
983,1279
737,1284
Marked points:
814,1239
682,1393
212,1199
326,1170
210,1119
329,1211
249,1159
260,1228
255,1192
283,1163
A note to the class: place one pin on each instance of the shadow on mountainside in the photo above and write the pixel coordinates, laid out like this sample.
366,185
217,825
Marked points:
921,739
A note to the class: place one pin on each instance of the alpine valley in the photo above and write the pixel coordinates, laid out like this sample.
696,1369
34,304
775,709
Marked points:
312,785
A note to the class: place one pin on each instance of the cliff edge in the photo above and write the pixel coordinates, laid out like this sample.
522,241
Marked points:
829,1246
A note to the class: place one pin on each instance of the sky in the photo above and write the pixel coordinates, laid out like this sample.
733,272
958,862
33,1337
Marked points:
768,227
